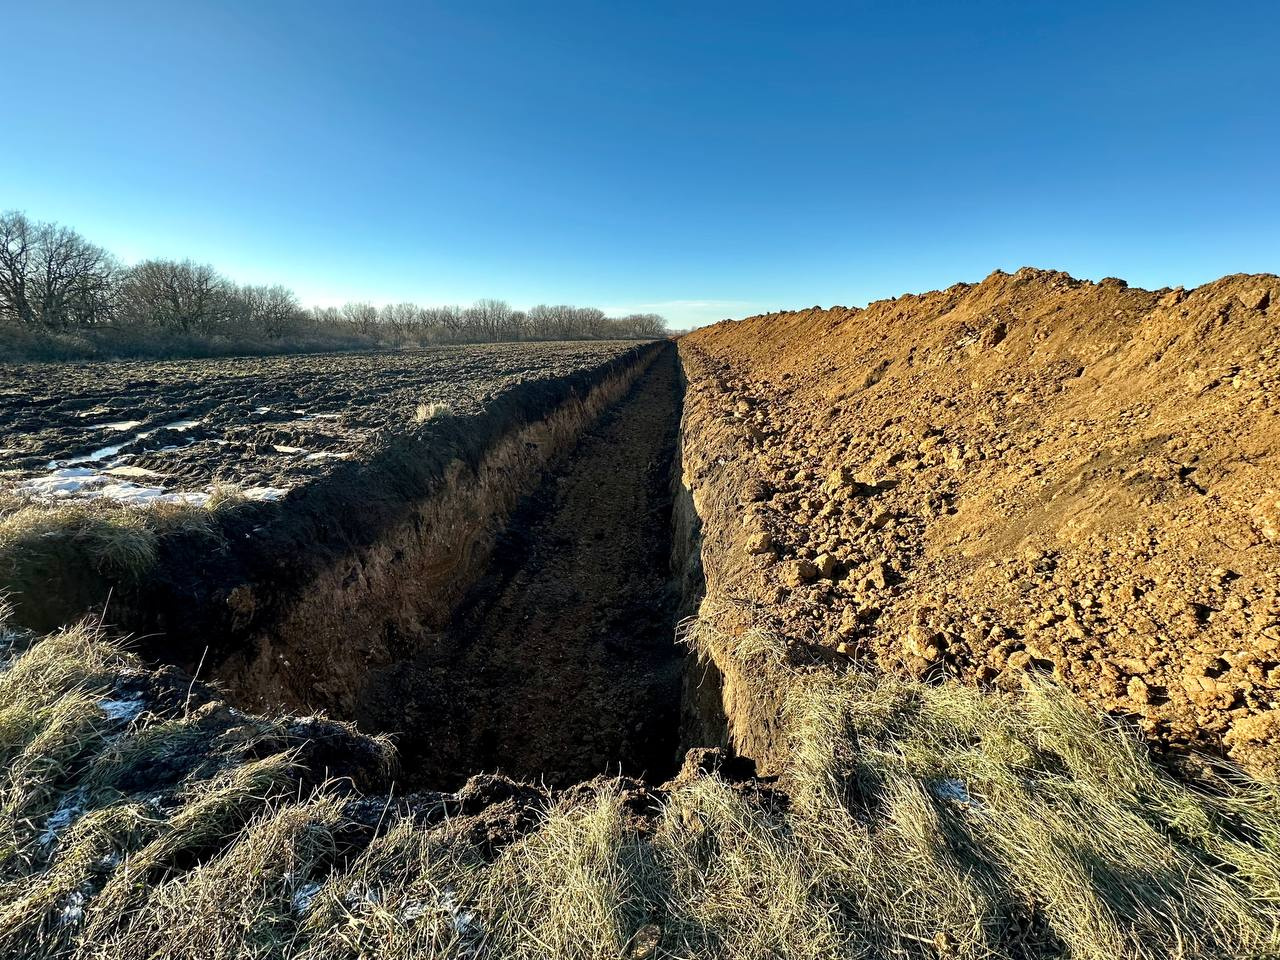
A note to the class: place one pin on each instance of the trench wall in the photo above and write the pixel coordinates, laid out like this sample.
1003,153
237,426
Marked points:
734,685
369,606
344,568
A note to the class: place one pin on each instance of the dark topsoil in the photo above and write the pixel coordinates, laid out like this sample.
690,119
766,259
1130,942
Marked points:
180,611
315,406
561,663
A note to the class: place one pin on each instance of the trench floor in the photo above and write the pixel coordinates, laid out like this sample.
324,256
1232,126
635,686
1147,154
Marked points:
560,664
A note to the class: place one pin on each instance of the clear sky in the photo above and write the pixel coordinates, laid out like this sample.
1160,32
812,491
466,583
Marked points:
700,159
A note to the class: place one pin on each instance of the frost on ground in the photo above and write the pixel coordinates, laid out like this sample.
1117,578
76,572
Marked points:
124,710
68,811
84,483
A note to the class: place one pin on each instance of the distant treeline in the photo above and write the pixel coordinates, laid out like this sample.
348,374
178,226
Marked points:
62,296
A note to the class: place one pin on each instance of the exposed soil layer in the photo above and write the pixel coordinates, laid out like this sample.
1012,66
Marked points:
560,663
1033,473
273,422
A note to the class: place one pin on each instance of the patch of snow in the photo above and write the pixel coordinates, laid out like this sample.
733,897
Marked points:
953,790
132,472
62,482
264,493
280,449
304,897
104,452
84,483
260,410
68,812
362,893
329,455
72,911
465,920
119,425
100,454
125,710
132,494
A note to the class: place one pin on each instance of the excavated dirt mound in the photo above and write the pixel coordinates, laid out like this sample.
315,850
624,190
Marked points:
1033,473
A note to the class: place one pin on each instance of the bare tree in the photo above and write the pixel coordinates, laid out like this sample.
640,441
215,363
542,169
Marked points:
51,274
272,311
362,317
402,320
175,295
71,279
16,241
487,319
590,322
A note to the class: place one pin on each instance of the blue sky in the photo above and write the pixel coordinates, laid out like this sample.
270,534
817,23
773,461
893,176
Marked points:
700,159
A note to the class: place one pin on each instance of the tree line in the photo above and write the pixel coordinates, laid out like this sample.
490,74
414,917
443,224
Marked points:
52,277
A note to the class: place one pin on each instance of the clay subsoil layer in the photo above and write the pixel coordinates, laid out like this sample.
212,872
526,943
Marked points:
1033,474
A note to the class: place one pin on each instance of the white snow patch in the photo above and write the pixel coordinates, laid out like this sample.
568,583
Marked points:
329,455
132,472
62,482
68,811
280,449
362,893
72,911
950,789
465,920
100,454
304,897
264,493
121,709
83,483
104,452
119,425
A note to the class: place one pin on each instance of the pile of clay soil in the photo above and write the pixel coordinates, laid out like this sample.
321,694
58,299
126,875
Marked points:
1033,473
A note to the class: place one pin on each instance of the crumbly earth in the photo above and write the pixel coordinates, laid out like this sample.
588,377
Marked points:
270,422
1029,473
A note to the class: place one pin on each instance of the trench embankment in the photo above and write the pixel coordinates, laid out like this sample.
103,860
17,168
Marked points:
560,662
523,619
735,683
519,618
498,593
374,559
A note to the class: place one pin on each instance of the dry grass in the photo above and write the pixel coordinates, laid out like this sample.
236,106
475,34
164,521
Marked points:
921,821
430,411
91,545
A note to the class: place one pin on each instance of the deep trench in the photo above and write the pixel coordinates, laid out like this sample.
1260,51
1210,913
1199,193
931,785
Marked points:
560,662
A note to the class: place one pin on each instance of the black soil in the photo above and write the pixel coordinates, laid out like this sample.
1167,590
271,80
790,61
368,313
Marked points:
255,421
560,664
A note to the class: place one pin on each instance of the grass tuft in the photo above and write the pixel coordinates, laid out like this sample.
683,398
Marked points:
913,821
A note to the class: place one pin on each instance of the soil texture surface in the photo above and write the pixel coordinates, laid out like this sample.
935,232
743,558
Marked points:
1033,474
561,663
262,423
